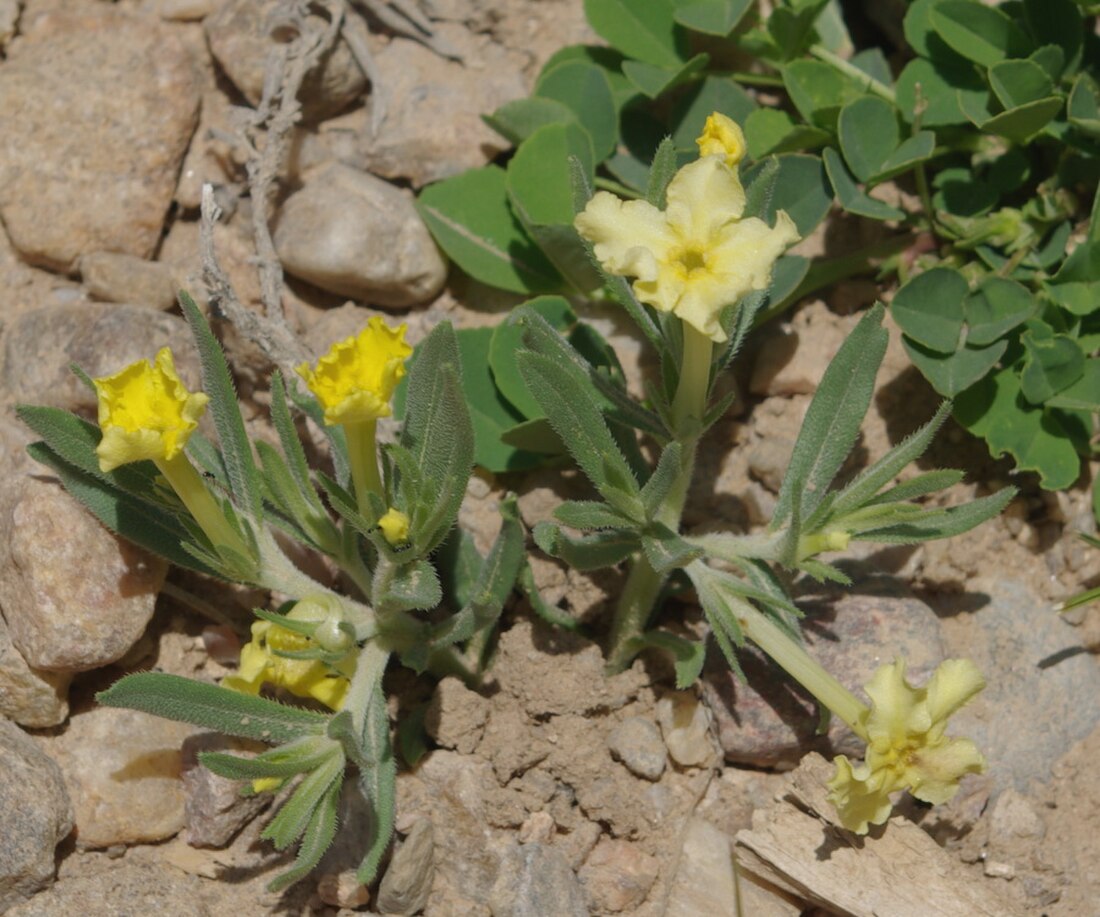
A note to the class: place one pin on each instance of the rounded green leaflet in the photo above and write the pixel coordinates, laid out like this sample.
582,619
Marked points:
929,309
582,87
869,135
983,34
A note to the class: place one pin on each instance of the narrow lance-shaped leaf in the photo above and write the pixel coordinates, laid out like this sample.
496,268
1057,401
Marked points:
285,761
378,782
291,444
576,418
292,819
588,552
228,712
943,523
319,834
687,656
834,417
244,479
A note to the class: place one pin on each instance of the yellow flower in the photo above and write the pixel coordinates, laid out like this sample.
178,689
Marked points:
906,745
698,255
260,663
722,137
395,526
354,381
145,412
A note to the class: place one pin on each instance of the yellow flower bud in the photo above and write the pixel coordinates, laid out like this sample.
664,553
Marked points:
395,526
722,136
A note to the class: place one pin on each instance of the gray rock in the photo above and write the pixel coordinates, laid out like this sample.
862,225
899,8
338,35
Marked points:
704,882
214,809
535,880
116,277
433,127
350,233
240,37
36,814
637,742
456,716
408,880
685,726
89,154
101,339
75,596
617,876
28,696
771,720
122,768
1039,678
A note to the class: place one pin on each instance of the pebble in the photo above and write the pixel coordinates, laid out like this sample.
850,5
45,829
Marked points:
116,277
538,828
704,882
240,36
408,880
637,743
351,233
89,155
100,338
456,716
685,726
433,127
617,876
214,809
769,720
75,596
342,890
35,812
122,768
535,880
30,697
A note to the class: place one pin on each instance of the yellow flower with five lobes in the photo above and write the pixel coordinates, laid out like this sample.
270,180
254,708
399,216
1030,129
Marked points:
699,254
261,663
355,380
906,746
145,412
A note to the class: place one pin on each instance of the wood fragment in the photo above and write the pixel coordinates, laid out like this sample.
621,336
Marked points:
896,871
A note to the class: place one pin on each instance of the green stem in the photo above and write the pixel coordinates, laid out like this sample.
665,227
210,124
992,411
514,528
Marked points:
204,509
853,72
363,458
801,666
643,583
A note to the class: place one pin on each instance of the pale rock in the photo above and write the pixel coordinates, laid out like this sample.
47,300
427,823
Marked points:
351,233
30,697
120,278
35,812
211,157
1014,818
408,880
539,828
704,882
122,769
637,743
9,19
342,889
617,876
456,716
74,595
185,10
100,338
535,880
214,809
88,154
685,726
240,35
433,127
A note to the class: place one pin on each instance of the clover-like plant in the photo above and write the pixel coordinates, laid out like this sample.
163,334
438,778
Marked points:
700,263
987,113
149,474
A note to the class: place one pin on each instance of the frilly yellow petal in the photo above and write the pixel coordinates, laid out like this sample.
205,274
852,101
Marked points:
859,803
936,771
954,683
722,136
628,237
355,380
704,196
